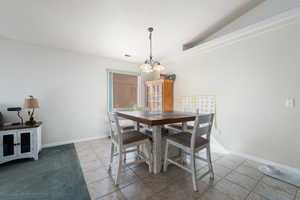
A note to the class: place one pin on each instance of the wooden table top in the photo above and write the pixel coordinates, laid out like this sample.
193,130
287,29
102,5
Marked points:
21,126
153,119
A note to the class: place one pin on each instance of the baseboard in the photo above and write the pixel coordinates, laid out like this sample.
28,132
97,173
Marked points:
71,141
220,148
267,162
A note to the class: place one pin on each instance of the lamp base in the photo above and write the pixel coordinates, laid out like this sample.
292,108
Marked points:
30,122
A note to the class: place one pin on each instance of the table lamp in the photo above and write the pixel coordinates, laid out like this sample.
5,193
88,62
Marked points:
31,103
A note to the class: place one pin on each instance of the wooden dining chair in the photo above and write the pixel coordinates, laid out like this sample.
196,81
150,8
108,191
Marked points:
124,142
191,144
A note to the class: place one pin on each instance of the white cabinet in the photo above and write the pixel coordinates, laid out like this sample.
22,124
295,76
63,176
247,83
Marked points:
18,142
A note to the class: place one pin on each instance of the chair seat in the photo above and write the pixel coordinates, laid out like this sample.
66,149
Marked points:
133,136
184,138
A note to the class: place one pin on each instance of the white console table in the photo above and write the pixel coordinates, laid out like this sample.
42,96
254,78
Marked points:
20,141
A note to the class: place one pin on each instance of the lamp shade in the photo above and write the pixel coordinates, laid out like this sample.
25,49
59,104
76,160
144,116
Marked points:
146,68
31,102
159,67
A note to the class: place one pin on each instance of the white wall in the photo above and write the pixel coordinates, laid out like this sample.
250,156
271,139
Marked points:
251,77
263,11
70,87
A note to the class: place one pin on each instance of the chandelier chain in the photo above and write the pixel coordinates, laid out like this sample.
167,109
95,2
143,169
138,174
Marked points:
150,38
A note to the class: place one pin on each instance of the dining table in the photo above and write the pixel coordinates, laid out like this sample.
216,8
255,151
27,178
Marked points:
157,120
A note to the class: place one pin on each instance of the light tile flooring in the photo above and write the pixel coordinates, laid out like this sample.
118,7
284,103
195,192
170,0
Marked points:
235,179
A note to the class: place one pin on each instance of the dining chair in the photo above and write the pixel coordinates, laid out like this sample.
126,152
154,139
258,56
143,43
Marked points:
124,142
125,123
191,144
178,127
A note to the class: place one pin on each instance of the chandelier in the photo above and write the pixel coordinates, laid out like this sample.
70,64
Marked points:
151,65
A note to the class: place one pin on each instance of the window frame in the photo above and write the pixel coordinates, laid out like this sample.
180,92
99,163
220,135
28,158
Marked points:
110,97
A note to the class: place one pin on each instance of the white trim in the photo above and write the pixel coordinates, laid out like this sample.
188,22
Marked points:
267,162
72,141
135,73
241,33
218,147
109,91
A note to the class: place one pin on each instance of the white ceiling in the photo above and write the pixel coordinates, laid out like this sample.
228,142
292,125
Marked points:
112,28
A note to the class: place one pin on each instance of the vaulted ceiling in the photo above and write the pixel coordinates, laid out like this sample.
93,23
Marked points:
112,28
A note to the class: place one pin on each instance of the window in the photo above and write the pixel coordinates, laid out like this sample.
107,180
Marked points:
123,90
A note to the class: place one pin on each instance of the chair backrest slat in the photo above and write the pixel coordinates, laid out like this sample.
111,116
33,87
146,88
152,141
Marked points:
202,130
202,127
115,129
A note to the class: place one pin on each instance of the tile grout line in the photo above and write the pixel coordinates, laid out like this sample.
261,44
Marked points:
234,170
215,162
222,178
109,175
119,188
201,167
252,191
247,174
260,180
231,170
298,191
295,197
269,185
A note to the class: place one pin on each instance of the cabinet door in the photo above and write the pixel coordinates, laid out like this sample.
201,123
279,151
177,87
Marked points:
9,141
158,97
25,142
154,97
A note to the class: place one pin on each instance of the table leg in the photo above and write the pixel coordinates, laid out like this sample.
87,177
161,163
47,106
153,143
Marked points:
156,149
137,126
184,126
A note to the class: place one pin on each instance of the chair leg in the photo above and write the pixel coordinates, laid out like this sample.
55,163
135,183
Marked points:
208,155
193,168
138,151
120,162
184,157
112,151
124,159
166,157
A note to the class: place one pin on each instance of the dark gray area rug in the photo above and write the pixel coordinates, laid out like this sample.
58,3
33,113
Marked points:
56,176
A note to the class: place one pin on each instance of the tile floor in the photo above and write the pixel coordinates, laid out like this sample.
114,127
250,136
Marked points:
235,179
